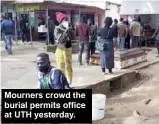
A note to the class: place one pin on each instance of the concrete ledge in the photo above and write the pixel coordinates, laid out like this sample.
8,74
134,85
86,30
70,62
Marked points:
101,87
116,82
144,65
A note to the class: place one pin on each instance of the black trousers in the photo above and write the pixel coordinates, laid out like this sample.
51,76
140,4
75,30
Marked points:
25,36
127,42
92,48
51,38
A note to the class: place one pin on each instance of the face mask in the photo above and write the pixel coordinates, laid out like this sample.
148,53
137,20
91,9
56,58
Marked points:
44,69
65,24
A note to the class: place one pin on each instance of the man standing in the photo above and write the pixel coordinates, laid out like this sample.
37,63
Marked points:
49,77
8,30
51,28
122,33
156,35
115,28
24,30
83,31
93,36
135,32
2,34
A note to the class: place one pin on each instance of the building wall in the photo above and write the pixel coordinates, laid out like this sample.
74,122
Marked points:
114,11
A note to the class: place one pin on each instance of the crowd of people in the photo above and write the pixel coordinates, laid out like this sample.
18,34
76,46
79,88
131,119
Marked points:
120,36
9,31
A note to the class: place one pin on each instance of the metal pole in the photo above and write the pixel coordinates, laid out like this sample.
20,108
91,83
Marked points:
48,37
15,26
31,39
79,15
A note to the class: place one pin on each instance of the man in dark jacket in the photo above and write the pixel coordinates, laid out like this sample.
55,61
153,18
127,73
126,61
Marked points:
93,36
115,28
49,77
156,35
83,31
7,27
2,34
24,30
51,28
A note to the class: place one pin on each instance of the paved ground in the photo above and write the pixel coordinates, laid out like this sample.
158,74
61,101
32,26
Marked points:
19,70
121,104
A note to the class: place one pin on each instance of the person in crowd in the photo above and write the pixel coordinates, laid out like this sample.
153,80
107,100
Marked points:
11,19
122,33
51,28
156,35
127,39
49,77
2,34
16,28
115,28
64,36
83,31
106,34
93,36
24,30
7,27
135,32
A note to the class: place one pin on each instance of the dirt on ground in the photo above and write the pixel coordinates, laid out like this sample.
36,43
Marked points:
137,104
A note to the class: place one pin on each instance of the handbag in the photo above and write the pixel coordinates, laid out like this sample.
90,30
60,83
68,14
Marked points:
101,44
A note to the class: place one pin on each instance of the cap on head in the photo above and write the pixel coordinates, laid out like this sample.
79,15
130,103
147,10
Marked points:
60,17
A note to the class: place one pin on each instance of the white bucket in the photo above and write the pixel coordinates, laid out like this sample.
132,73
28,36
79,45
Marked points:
98,106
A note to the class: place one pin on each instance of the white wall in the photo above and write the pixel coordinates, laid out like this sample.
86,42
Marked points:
140,7
96,3
113,12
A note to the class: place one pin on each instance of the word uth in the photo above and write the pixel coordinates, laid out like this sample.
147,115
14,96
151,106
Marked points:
29,114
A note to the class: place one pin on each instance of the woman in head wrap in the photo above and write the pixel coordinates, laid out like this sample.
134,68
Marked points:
64,35
106,34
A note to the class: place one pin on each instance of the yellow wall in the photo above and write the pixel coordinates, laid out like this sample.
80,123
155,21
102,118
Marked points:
23,8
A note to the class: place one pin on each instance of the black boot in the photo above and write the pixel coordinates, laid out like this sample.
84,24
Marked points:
110,71
103,71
